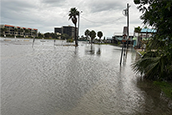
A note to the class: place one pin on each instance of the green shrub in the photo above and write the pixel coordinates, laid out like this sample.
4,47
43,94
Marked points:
119,43
70,40
166,87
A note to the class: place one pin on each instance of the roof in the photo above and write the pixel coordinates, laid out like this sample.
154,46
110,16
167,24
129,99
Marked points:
18,27
144,30
9,25
119,38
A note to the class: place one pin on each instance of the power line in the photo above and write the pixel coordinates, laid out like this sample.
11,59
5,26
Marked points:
89,20
101,22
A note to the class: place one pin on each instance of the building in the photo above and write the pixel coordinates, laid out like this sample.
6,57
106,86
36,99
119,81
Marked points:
118,38
68,30
10,30
143,34
57,30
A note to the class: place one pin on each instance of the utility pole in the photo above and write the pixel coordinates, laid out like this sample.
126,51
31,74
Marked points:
127,23
78,23
125,13
121,53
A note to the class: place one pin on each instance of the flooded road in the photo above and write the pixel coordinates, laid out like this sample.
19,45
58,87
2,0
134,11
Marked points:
60,79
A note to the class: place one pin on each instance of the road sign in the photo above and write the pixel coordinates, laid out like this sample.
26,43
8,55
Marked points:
123,40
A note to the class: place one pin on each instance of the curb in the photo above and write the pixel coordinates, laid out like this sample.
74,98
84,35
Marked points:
138,53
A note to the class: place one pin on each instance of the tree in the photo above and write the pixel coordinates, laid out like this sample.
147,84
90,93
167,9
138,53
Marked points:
73,13
157,63
15,32
24,32
65,36
40,35
34,34
27,31
47,35
21,31
155,14
99,34
138,29
92,35
3,30
137,1
87,32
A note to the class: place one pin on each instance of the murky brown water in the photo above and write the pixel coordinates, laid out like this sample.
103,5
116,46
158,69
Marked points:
64,80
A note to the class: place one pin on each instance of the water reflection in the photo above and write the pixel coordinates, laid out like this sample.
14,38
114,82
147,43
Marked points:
99,51
64,80
90,50
153,100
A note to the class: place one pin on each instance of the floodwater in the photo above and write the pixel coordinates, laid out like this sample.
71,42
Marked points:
58,79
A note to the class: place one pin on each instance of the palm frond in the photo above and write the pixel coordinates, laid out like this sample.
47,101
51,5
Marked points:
147,65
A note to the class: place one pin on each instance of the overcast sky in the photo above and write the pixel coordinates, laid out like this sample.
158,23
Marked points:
44,15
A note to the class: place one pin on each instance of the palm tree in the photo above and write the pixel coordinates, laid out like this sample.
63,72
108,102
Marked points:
73,13
156,64
87,32
92,35
137,1
138,30
99,34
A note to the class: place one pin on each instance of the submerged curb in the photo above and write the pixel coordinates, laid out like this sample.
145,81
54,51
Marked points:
137,50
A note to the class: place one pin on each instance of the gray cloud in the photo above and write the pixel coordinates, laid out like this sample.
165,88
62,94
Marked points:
16,5
54,3
105,15
15,11
105,5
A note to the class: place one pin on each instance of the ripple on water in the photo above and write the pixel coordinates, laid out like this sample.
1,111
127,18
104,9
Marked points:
64,80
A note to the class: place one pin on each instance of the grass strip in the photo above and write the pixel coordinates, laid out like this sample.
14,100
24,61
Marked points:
166,87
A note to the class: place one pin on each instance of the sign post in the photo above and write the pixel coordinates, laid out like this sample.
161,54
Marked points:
121,53
123,41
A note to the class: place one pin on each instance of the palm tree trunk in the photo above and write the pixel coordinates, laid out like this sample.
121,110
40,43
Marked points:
76,41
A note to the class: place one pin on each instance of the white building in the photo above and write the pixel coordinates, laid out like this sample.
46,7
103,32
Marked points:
10,30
